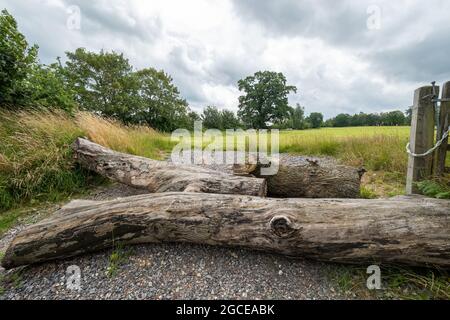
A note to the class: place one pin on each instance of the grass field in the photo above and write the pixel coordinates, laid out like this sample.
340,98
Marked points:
380,150
376,148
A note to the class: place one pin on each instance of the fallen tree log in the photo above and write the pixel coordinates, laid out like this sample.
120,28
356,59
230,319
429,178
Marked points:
302,177
409,230
160,176
312,177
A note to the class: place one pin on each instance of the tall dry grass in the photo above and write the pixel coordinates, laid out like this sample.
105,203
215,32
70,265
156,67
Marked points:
137,140
36,162
35,157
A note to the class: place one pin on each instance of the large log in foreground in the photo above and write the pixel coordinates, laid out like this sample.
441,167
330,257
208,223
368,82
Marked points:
410,230
160,176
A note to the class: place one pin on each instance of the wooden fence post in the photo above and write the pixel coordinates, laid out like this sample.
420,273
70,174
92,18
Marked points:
421,137
444,121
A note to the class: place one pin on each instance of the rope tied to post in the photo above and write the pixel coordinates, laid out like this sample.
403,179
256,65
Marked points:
437,145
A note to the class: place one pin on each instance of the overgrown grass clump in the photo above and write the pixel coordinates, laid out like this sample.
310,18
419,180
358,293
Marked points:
138,140
36,161
35,158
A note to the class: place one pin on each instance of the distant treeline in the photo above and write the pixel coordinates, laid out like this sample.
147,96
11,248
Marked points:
298,121
392,118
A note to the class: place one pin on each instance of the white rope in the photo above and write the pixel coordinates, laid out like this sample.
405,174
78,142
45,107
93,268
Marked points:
437,145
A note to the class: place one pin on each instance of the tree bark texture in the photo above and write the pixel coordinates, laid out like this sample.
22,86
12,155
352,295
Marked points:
161,176
405,230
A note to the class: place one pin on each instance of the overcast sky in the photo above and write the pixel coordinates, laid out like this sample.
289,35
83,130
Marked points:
344,56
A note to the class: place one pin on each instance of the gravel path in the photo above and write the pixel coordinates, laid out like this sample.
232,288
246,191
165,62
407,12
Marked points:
171,271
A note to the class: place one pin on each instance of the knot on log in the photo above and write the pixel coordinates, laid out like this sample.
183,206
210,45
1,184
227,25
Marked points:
281,226
314,163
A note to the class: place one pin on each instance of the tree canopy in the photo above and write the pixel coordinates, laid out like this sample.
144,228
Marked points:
16,60
315,119
213,118
265,99
106,83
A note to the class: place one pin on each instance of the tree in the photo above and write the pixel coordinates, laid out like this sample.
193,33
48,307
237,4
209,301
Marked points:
373,119
408,118
161,106
298,118
393,118
192,118
212,118
47,88
16,60
342,120
229,120
103,82
329,123
359,119
265,99
315,119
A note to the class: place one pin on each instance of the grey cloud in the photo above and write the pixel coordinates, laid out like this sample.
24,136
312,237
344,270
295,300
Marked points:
343,24
115,17
423,60
339,22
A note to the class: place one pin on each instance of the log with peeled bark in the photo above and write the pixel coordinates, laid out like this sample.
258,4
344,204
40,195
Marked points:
160,176
303,177
406,230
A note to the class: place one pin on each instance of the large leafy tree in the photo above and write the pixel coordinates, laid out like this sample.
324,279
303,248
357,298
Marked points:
16,60
393,118
213,118
315,119
106,83
265,99
342,120
103,82
160,105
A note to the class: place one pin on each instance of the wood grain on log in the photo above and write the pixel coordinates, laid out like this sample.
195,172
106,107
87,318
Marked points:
408,230
303,177
160,176
312,177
